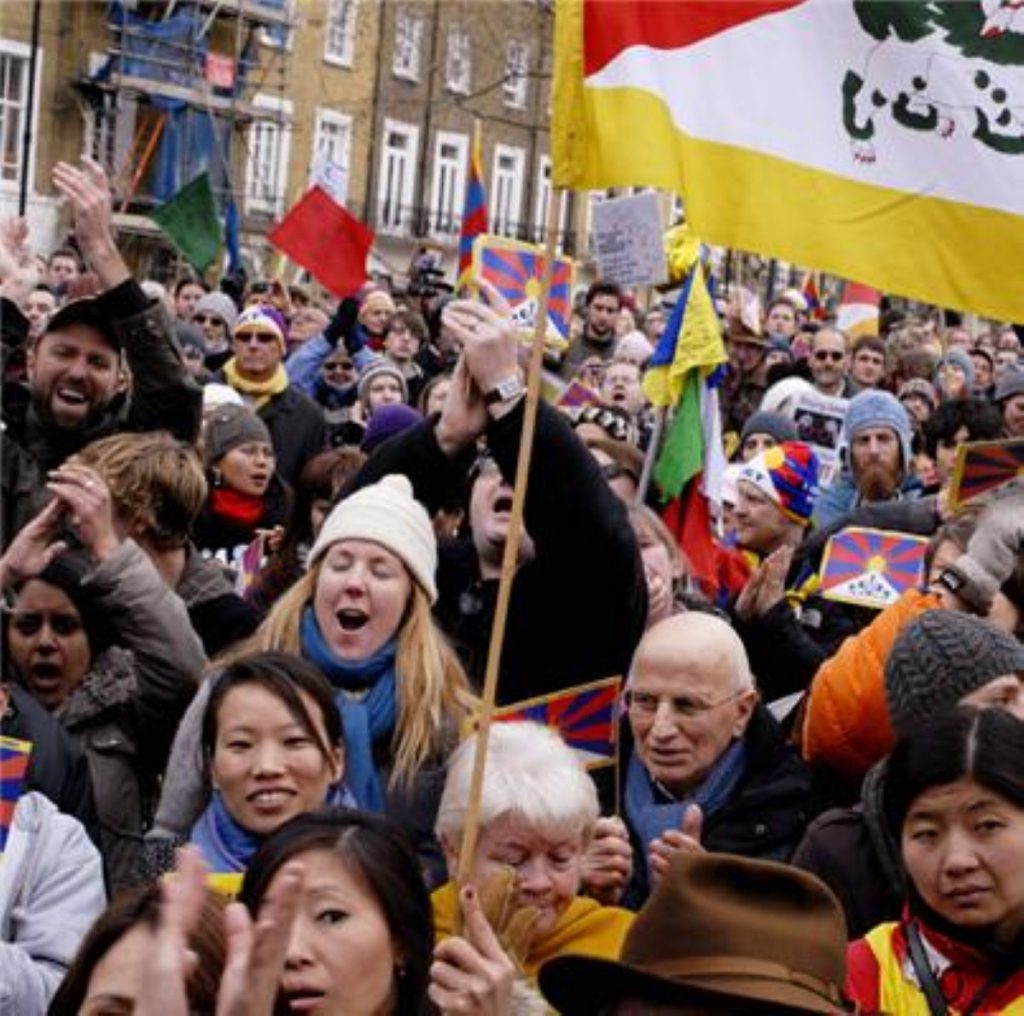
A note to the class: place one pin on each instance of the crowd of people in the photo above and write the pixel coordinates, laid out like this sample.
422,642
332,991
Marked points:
253,539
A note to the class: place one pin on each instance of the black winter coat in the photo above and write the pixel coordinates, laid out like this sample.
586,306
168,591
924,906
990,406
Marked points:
765,817
578,608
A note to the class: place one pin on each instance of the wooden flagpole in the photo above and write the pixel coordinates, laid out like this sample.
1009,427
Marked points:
471,828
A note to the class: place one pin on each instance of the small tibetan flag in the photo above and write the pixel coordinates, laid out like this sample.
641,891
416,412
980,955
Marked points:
585,716
516,270
984,466
190,221
474,209
871,567
319,234
14,759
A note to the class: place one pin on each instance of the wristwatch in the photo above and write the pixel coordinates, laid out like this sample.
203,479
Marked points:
505,390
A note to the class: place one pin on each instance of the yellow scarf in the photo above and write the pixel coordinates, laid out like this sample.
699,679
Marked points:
586,927
256,393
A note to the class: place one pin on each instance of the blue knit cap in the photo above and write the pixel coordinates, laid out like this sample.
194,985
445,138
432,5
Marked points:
958,358
873,408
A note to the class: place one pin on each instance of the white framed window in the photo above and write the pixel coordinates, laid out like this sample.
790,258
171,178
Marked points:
448,186
332,143
408,44
277,36
457,64
397,184
14,75
507,185
517,66
266,164
340,33
542,201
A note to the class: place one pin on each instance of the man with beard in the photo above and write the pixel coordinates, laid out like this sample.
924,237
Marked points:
875,453
602,306
101,365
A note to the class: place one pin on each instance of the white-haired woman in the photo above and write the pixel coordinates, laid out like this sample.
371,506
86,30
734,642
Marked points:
538,814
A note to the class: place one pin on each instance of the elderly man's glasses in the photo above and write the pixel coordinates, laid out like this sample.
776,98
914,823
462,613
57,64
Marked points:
647,704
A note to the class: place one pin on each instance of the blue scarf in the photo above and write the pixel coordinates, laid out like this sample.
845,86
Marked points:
226,846
650,818
367,718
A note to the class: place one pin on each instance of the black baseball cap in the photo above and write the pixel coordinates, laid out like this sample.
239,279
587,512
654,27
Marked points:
86,311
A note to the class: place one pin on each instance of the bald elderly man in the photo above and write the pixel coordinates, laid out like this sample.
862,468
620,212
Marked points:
709,767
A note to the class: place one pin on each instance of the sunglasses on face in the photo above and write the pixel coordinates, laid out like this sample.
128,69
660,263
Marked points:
824,354
339,367
263,338
207,319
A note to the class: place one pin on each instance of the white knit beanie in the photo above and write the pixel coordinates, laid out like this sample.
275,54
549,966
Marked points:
388,514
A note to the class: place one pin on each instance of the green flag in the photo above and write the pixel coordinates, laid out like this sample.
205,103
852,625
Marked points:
682,453
190,221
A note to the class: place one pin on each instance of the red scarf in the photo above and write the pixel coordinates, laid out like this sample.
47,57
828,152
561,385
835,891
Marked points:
245,509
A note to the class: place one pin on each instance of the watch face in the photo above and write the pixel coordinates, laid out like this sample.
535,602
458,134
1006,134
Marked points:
509,387
951,580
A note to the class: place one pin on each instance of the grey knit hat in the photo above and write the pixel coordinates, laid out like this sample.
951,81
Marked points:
228,427
1010,384
775,425
939,658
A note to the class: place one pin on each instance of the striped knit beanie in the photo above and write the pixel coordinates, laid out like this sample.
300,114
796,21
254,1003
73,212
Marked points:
788,475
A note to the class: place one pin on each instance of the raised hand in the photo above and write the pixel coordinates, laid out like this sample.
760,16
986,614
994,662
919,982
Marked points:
34,547
19,272
87,192
87,500
464,416
471,972
256,951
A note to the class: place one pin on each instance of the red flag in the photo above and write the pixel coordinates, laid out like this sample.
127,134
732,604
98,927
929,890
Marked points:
719,572
320,235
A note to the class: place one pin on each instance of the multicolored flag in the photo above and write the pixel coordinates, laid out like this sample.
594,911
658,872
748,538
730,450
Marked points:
910,135
858,312
14,759
474,209
984,466
586,717
811,293
871,567
516,270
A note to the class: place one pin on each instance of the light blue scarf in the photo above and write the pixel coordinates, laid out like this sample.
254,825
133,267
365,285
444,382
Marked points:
367,700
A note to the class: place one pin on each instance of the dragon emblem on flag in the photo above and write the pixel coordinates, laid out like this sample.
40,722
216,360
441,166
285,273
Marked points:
950,67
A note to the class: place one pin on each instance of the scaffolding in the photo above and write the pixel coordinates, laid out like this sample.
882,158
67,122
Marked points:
182,89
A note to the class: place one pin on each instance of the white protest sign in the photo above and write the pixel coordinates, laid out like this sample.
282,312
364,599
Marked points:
628,241
819,422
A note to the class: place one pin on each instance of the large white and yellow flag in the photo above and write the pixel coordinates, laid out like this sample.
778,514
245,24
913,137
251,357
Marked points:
879,141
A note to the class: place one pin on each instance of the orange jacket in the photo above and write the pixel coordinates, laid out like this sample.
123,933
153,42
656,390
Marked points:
846,721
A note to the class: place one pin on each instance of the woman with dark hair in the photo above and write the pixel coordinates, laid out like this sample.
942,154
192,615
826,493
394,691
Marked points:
103,644
363,936
272,749
246,495
107,975
954,801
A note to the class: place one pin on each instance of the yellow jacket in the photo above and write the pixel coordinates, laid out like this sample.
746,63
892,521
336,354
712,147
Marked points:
585,928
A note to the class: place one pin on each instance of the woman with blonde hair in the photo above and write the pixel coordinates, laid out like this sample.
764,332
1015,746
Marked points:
362,615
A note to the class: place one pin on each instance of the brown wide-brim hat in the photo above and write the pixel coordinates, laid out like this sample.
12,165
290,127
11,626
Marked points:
718,926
